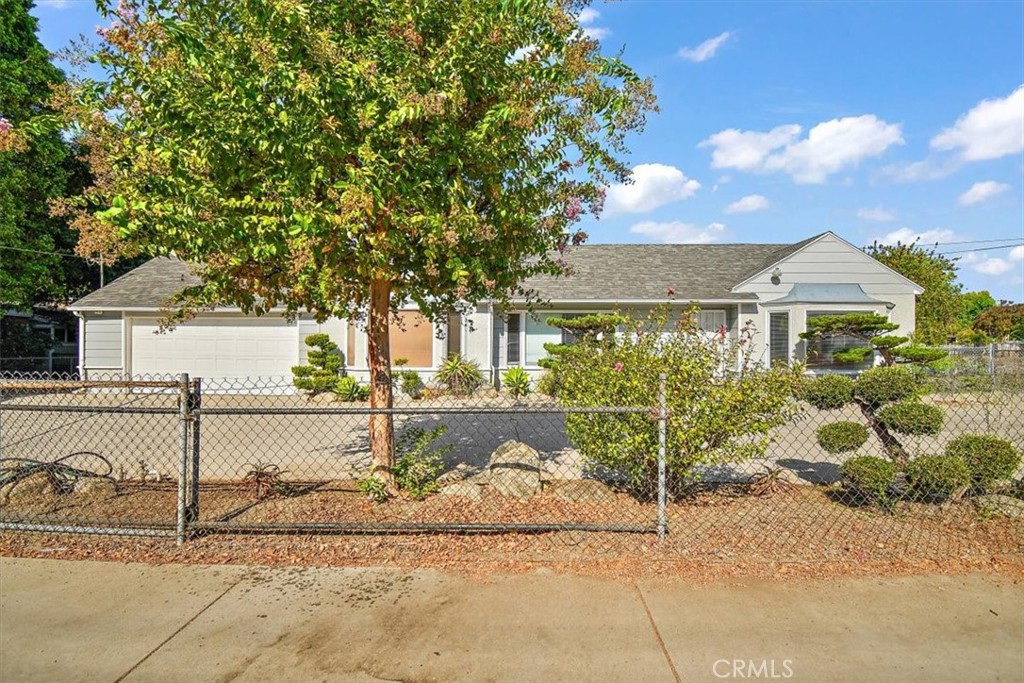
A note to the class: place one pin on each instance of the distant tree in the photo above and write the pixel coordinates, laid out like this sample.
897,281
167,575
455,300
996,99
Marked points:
35,269
1002,322
343,157
939,308
973,305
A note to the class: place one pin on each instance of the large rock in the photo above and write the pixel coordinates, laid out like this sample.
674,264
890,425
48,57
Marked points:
463,489
998,504
583,491
95,488
36,487
514,470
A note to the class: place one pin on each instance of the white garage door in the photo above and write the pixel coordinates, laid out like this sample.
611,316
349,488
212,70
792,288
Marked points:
216,347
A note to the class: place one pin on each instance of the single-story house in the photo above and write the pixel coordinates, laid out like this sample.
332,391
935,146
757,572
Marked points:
777,287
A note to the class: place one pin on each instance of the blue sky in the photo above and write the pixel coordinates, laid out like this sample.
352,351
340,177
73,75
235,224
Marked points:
876,120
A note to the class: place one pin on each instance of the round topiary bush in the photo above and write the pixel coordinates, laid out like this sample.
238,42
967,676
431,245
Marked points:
912,417
842,437
938,476
883,384
989,458
870,477
828,392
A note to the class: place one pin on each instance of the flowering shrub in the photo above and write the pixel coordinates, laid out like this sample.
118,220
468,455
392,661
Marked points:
721,406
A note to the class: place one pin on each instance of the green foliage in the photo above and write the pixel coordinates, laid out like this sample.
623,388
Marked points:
34,170
916,353
873,329
721,407
1002,322
325,364
419,463
870,477
881,385
349,389
938,476
940,307
517,381
589,325
373,488
969,336
991,460
459,376
828,392
548,384
974,304
412,385
912,417
842,437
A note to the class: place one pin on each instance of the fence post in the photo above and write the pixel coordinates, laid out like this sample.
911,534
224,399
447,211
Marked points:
992,359
662,484
183,443
196,411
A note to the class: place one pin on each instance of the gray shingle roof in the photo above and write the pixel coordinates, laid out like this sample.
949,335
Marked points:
149,287
623,272
604,272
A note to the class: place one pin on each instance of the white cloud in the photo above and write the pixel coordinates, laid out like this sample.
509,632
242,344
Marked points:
677,232
748,204
586,18
521,53
879,214
54,4
993,266
653,185
705,50
981,192
990,130
828,148
928,169
1017,253
908,236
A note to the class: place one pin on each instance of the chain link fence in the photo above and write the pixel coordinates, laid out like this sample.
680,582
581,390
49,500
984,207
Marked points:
178,456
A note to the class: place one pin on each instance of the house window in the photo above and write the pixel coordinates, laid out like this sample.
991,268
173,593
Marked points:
820,352
567,336
778,338
710,321
512,330
454,334
539,333
412,337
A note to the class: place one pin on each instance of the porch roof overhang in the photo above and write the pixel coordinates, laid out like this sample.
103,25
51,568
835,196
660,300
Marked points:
804,293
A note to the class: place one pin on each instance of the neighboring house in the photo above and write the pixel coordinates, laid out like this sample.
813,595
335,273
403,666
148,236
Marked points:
52,332
777,287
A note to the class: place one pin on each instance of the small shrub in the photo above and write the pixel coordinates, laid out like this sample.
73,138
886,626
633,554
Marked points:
842,437
325,364
348,388
548,384
265,479
828,392
412,385
938,476
373,488
989,458
418,463
882,385
912,417
870,477
459,376
517,381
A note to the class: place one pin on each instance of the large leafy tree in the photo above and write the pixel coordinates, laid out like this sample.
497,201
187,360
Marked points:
939,308
340,157
33,171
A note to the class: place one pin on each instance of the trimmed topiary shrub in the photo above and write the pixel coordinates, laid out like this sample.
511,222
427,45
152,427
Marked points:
828,392
884,384
989,459
870,477
912,418
938,476
842,437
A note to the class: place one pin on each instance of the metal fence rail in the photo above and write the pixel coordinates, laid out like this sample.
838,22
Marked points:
180,456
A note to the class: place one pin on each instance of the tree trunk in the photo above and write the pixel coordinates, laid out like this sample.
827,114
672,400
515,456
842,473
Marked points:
382,427
893,448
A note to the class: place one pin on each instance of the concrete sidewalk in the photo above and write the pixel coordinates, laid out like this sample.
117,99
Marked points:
97,621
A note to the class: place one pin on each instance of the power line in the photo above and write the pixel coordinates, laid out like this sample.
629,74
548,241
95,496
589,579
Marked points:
967,251
45,253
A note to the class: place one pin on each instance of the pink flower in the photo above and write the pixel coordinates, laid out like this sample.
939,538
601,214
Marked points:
574,209
671,291
5,125
618,367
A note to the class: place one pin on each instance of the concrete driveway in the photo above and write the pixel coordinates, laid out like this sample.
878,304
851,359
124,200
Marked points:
95,621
